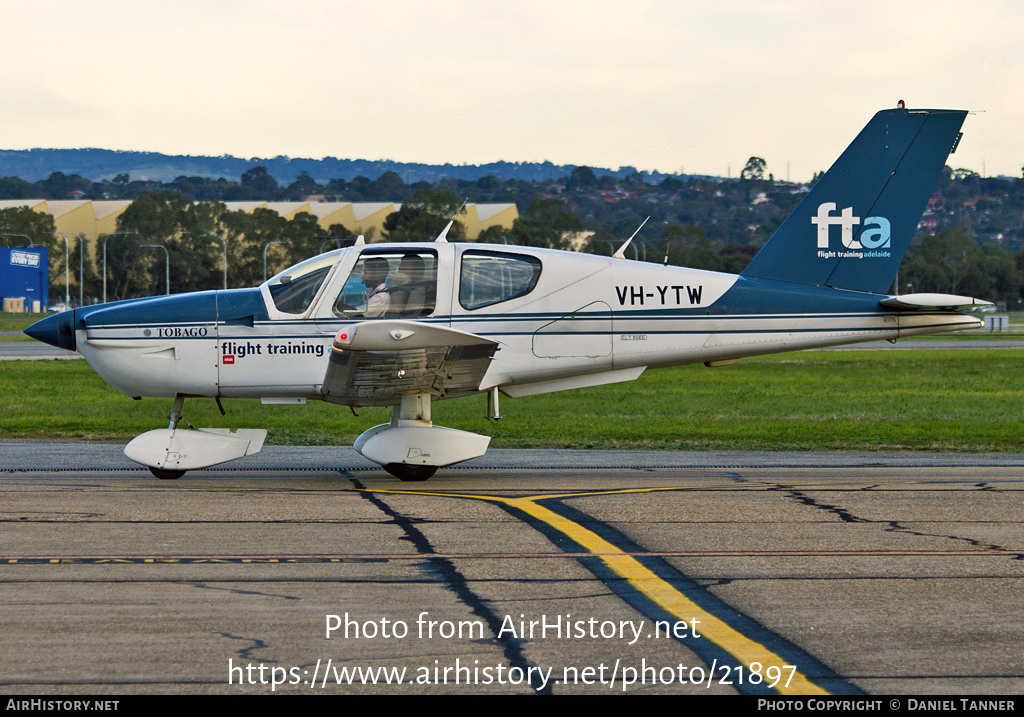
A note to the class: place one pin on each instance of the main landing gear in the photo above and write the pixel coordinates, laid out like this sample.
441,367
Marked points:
412,448
408,473
166,475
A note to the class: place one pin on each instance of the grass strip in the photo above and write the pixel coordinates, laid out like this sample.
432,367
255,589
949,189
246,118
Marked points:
967,400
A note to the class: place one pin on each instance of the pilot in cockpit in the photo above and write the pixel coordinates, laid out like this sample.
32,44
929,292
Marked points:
369,292
378,300
412,291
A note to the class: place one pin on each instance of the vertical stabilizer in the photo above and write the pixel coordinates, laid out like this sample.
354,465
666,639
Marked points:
854,226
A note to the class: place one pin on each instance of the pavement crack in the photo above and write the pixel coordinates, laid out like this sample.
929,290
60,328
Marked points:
895,527
713,582
243,652
456,582
844,515
245,592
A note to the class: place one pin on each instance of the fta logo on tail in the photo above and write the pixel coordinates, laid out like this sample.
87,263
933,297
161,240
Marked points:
876,233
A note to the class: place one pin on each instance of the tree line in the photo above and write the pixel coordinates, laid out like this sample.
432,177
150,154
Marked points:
970,241
198,235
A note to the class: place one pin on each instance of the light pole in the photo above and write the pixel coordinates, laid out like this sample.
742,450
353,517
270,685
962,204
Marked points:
30,244
267,246
105,261
643,245
81,269
215,236
330,238
67,271
167,263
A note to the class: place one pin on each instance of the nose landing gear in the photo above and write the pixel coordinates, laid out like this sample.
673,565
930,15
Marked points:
170,452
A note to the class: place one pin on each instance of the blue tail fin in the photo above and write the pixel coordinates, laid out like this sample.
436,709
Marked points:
853,228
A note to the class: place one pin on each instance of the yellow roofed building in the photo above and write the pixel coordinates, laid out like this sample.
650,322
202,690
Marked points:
92,218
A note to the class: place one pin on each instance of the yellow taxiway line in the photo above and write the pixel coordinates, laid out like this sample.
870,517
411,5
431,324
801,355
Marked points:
661,592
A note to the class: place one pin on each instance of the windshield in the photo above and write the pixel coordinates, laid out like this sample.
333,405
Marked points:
293,289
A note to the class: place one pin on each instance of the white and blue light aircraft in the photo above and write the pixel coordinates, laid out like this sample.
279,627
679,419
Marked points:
403,325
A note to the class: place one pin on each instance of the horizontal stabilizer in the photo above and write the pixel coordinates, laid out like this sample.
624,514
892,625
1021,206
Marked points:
934,302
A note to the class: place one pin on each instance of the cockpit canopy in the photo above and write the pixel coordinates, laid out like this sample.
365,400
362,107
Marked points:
402,282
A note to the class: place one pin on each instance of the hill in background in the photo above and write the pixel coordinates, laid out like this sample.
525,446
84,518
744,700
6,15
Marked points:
98,164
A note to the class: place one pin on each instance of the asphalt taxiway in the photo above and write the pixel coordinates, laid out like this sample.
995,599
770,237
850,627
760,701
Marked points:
838,573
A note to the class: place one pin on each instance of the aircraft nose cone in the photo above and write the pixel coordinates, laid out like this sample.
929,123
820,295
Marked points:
57,330
45,330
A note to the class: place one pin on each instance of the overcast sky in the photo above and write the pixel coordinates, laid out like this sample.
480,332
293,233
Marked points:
693,86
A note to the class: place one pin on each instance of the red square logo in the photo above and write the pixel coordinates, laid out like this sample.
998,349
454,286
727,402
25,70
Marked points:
230,358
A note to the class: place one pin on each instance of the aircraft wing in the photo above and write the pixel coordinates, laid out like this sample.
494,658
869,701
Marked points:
934,302
375,363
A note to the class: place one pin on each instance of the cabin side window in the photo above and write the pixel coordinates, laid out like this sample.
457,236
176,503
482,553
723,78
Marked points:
400,284
489,278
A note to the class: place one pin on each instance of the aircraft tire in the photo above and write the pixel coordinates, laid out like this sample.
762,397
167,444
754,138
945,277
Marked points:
408,473
166,474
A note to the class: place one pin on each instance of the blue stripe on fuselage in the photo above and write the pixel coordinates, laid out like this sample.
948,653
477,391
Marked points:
747,298
763,297
193,308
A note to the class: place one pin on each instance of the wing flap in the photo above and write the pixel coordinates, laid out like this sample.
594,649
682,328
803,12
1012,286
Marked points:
375,363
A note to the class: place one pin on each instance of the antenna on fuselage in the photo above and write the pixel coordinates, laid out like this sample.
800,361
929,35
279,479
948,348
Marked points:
621,253
360,240
443,236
